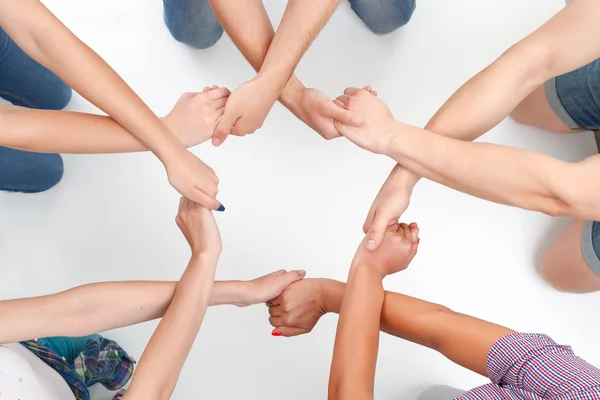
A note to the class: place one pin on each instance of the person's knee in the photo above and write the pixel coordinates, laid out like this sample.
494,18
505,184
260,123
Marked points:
385,16
195,26
60,97
571,278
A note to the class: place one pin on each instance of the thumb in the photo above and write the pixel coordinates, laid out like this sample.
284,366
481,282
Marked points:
376,233
289,331
293,276
223,128
342,115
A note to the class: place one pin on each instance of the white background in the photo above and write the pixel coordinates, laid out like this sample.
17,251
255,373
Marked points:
296,201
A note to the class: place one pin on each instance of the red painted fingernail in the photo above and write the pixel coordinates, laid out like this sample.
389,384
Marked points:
276,333
418,240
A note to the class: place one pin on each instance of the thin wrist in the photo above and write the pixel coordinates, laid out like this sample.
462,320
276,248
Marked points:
291,94
404,179
361,270
333,295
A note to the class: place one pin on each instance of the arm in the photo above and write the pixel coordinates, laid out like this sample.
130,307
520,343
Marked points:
357,339
41,35
275,56
163,358
497,173
192,119
566,42
502,174
463,339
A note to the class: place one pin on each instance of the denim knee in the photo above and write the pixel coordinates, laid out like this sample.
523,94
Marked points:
27,172
384,16
192,22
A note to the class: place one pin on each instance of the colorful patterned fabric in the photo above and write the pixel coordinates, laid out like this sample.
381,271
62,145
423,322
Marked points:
533,367
101,361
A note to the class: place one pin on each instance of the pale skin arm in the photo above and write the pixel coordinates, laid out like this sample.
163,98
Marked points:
564,43
248,25
192,119
357,339
274,56
88,309
44,38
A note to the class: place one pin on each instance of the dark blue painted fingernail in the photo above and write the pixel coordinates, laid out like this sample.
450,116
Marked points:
221,208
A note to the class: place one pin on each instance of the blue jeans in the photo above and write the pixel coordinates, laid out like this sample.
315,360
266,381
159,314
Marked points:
26,83
193,22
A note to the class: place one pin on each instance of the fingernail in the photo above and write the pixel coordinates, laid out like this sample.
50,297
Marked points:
276,333
216,141
302,273
371,244
221,208
418,240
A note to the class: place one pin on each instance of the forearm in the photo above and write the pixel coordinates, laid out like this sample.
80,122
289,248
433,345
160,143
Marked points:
48,41
463,339
248,25
98,307
496,173
44,131
301,23
559,46
357,338
171,342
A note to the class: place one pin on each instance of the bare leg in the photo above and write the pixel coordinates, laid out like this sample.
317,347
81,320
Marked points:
563,265
536,111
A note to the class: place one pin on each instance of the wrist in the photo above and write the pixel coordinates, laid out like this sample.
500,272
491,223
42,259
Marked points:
204,257
404,179
292,94
364,270
332,295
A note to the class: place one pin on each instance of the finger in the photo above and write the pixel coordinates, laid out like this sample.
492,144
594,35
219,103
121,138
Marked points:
275,321
344,99
200,197
274,302
214,87
369,88
279,272
181,200
294,276
376,233
220,103
219,93
405,230
275,311
351,91
342,115
289,331
339,104
206,89
223,128
374,93
414,230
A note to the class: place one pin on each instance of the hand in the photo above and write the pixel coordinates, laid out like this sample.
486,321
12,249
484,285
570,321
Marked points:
298,309
376,133
193,179
246,109
395,253
267,287
316,110
199,227
389,205
194,117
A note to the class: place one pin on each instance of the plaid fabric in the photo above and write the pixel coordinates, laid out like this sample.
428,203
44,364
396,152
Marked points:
101,361
529,366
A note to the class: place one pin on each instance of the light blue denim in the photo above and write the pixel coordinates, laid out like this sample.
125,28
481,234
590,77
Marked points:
193,22
25,83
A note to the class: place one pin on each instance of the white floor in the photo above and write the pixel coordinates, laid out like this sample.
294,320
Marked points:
296,201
